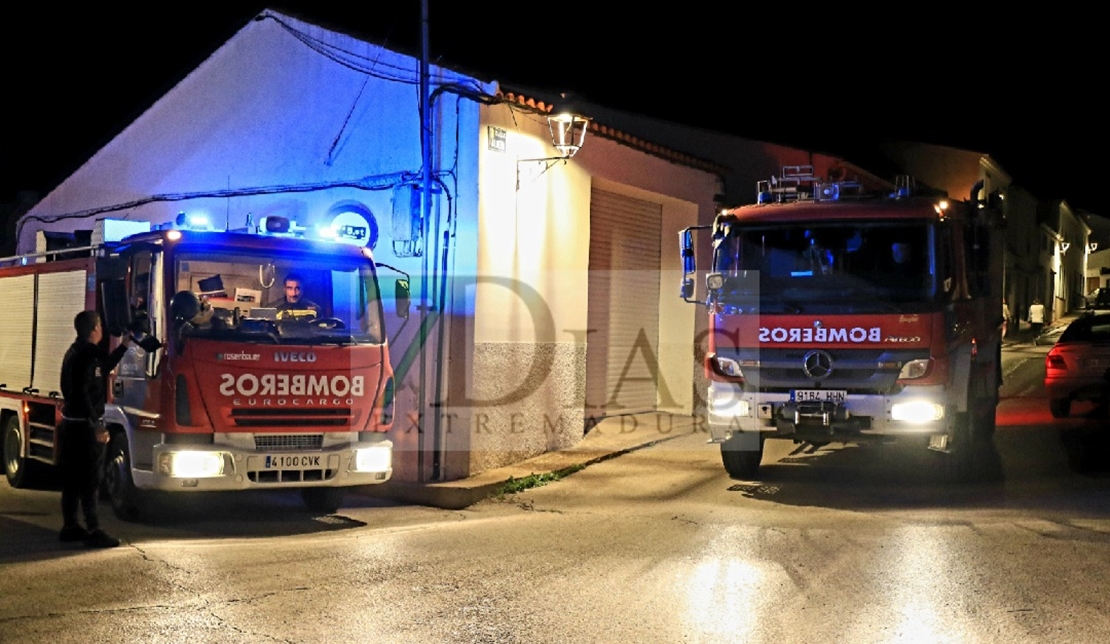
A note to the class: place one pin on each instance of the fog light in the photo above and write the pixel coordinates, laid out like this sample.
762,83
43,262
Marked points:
917,412
372,459
191,465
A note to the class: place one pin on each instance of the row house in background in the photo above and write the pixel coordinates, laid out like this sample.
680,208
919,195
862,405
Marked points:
1064,253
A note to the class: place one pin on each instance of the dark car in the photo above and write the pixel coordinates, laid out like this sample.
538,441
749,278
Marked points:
1076,366
1099,298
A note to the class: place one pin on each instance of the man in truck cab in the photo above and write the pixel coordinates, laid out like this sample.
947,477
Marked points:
294,299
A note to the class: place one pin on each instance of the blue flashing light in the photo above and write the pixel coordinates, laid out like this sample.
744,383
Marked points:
192,222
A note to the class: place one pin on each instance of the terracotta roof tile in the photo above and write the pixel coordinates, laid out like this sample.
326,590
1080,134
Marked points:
622,137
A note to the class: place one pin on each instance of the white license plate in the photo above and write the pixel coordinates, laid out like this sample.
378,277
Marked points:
1097,363
819,395
295,462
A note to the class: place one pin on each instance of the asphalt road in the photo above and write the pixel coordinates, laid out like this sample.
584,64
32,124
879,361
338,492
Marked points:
840,544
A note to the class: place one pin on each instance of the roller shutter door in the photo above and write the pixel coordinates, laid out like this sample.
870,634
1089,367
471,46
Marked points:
623,342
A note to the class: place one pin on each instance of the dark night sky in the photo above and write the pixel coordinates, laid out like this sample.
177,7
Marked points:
825,81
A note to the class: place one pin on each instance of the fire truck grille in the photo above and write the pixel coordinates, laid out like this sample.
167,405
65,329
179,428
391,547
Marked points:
288,442
336,417
858,371
291,476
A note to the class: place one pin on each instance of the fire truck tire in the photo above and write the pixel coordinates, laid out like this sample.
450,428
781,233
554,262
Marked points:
741,461
968,459
323,499
118,484
985,425
1059,407
21,472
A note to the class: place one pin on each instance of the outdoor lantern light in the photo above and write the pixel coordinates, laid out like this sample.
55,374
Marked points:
568,132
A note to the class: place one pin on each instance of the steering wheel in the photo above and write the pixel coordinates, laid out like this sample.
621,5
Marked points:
328,324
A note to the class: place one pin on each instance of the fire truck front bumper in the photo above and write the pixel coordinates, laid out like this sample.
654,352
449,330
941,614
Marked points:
184,468
914,412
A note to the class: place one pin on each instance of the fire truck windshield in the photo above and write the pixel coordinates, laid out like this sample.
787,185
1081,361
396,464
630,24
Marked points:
827,267
306,299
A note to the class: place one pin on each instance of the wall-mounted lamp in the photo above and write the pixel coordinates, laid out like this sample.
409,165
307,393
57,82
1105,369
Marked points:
1092,247
1064,246
568,134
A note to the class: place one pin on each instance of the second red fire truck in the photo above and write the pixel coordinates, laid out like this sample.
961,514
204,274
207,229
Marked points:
837,315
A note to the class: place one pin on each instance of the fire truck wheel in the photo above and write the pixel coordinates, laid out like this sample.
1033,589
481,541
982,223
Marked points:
985,425
323,499
21,472
967,458
741,455
1060,407
118,484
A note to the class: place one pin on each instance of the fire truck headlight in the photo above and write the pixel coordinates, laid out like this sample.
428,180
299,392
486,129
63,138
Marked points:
728,367
372,459
191,465
914,369
727,405
918,411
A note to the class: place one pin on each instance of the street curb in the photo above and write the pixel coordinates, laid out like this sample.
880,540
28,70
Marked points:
463,493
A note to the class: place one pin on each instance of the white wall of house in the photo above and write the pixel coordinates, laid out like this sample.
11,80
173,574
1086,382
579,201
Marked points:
527,344
269,125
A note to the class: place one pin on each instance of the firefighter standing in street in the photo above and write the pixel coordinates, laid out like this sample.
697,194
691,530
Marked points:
83,436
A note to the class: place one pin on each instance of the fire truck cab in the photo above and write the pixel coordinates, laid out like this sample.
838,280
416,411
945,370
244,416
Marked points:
840,315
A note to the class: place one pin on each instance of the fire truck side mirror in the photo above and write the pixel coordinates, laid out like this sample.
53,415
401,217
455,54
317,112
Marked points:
117,307
687,288
686,248
401,298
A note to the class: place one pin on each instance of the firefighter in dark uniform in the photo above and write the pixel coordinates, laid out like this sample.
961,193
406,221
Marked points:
82,436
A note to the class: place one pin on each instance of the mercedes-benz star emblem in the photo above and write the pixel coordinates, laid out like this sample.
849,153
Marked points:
817,364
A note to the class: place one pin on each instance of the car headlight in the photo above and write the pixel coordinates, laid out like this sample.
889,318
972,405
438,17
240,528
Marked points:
191,465
714,281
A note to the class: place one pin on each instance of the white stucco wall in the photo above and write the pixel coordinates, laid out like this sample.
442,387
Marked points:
531,308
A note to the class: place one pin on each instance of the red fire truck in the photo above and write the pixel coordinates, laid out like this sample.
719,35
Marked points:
840,315
224,390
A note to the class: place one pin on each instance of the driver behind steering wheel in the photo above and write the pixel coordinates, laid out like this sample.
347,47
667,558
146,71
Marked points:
294,304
